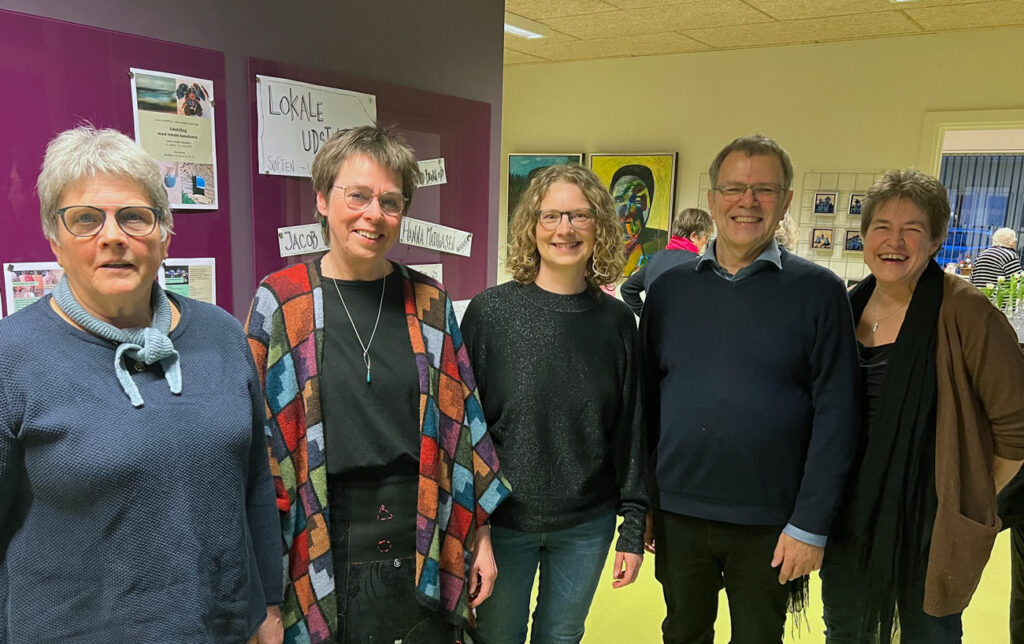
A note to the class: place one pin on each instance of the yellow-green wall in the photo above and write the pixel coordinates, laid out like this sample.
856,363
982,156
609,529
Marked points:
850,107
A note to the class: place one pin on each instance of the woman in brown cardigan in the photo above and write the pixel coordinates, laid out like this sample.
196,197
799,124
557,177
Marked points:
944,429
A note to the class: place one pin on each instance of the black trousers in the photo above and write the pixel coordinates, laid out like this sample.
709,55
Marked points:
1017,584
696,558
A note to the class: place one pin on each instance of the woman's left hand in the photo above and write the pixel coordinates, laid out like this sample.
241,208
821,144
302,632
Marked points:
626,568
271,631
483,571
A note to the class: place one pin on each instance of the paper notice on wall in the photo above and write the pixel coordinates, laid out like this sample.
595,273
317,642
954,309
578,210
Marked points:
301,240
194,277
432,173
436,237
26,282
295,119
174,123
460,308
431,270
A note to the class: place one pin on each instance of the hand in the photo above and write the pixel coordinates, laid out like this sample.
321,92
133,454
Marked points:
649,533
271,631
483,571
626,568
794,558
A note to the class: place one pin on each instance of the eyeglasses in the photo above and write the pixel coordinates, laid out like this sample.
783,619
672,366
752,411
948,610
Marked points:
580,219
86,221
359,198
762,191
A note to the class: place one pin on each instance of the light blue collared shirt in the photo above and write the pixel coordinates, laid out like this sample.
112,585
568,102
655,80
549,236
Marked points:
770,256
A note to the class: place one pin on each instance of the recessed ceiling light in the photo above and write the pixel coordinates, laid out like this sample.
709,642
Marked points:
524,28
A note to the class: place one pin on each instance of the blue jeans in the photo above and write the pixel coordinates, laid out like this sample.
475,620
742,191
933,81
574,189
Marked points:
843,585
570,561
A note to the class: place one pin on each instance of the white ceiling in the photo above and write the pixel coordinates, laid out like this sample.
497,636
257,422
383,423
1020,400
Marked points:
589,29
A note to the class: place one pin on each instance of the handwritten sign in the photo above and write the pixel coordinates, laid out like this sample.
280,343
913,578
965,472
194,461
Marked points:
301,240
432,173
296,118
425,234
432,270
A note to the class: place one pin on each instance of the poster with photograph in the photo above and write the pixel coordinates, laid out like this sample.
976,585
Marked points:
853,241
821,238
194,277
174,123
825,203
643,188
856,203
26,282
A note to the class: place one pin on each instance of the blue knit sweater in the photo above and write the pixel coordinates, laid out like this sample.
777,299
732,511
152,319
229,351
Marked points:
752,393
118,524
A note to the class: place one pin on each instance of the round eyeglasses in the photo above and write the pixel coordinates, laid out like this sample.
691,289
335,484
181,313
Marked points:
86,221
359,198
580,219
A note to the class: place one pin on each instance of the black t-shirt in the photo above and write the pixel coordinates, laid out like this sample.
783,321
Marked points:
371,430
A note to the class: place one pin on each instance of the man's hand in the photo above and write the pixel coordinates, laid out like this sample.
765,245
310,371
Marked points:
483,571
794,558
271,631
626,568
649,533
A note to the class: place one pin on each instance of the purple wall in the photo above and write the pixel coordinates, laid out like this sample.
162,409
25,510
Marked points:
451,47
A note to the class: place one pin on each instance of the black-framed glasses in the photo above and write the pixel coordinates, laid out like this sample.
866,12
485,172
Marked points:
86,221
359,198
762,191
580,219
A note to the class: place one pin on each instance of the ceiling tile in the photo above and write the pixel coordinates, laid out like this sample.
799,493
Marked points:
970,16
641,45
798,9
867,25
515,42
540,9
637,4
513,57
627,23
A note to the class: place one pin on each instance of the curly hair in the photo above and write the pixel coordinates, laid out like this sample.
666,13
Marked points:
608,259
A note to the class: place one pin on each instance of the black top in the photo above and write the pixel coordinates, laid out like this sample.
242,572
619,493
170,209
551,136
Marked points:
559,386
371,430
873,363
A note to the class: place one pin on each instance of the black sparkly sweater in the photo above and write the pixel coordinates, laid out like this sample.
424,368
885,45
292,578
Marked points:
560,388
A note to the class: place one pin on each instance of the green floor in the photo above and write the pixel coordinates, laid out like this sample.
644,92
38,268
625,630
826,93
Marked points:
633,615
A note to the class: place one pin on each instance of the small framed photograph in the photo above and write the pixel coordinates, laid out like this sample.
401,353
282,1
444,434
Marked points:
821,238
853,241
825,203
856,201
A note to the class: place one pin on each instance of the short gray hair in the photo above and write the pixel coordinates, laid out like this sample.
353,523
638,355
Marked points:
84,152
692,220
922,190
1005,237
754,145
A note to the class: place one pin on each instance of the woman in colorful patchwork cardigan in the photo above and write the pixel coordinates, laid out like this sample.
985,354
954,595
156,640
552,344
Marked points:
384,470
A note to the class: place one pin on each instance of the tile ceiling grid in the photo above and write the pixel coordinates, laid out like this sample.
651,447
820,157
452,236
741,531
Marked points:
591,29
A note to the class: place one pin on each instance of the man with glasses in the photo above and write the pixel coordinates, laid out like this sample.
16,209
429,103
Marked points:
752,442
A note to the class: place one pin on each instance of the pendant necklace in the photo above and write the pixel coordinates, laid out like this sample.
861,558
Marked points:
874,327
366,347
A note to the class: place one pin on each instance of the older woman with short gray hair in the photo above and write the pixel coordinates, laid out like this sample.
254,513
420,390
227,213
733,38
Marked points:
999,260
136,502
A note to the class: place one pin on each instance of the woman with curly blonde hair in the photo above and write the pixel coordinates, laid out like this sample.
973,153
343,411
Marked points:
554,359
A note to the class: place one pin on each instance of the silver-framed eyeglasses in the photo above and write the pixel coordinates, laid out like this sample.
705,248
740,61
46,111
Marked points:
762,191
359,198
580,219
86,221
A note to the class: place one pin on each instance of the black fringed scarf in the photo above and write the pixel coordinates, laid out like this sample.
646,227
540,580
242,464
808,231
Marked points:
891,502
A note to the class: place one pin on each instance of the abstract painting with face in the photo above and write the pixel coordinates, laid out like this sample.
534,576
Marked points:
643,190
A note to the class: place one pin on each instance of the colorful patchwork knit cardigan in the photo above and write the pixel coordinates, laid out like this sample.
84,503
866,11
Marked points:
459,484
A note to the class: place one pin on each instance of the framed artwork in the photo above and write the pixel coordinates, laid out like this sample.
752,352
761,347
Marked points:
856,202
825,203
523,167
853,241
643,188
821,238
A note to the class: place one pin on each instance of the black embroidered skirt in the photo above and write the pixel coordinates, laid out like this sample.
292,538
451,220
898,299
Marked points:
373,536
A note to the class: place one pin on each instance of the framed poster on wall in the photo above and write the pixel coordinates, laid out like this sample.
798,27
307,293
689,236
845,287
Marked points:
523,167
643,187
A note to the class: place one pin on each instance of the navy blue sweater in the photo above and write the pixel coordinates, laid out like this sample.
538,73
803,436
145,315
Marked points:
752,393
148,525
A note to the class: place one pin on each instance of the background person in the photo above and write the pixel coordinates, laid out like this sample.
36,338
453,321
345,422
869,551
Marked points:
135,500
999,260
384,469
555,359
941,375
690,231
